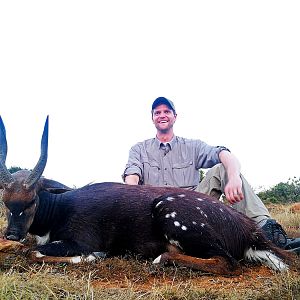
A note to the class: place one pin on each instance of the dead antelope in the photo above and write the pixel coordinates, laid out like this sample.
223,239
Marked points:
171,225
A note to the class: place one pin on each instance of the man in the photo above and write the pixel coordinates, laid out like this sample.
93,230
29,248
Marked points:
169,160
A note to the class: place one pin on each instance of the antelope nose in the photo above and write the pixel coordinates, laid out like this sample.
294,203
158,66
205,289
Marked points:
12,237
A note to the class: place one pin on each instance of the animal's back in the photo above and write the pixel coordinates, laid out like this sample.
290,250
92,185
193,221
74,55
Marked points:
147,220
122,217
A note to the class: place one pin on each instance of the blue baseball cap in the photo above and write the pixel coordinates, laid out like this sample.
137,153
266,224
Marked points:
162,100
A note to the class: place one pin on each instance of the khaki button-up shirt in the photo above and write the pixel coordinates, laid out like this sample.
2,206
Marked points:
177,166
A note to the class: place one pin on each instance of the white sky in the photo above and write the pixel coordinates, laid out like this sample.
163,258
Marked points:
232,69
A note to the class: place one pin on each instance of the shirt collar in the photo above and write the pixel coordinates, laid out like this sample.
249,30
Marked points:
171,143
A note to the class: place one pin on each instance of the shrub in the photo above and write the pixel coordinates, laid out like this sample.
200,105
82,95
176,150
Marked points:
283,192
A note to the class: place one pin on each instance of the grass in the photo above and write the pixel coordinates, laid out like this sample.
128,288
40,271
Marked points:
132,278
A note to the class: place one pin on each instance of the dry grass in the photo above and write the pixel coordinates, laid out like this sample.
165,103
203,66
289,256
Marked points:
287,218
132,278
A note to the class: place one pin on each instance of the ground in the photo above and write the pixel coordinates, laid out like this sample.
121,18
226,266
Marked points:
134,278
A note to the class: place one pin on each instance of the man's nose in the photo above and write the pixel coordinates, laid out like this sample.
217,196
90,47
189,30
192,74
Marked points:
162,115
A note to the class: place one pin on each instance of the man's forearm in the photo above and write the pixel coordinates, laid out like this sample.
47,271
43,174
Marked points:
231,163
233,189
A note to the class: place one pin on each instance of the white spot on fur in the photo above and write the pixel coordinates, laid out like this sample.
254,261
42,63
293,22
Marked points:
176,223
202,212
183,227
158,204
167,216
170,198
181,196
21,213
195,223
266,258
173,214
157,260
175,243
221,210
202,224
166,237
42,240
56,242
200,199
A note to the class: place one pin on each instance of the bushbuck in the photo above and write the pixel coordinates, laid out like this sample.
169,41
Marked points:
170,225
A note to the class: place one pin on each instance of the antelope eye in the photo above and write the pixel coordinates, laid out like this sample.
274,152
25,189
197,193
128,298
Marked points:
19,207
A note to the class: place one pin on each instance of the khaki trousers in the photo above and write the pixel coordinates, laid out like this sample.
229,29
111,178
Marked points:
214,183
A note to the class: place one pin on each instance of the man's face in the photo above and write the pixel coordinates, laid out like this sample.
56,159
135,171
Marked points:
163,118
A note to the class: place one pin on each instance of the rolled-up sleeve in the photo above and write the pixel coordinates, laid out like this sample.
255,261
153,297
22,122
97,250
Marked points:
134,165
207,156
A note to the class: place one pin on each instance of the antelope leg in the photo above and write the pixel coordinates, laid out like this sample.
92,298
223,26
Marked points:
36,256
10,246
215,265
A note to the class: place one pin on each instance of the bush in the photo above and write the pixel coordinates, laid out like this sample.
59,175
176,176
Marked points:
283,192
14,169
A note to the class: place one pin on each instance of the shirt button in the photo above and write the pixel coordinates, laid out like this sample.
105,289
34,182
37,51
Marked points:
165,168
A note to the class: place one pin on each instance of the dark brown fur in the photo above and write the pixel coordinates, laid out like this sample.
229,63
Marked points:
114,219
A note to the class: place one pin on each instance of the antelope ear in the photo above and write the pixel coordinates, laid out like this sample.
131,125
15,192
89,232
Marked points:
53,186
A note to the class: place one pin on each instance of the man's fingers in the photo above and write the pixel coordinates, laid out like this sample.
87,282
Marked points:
234,196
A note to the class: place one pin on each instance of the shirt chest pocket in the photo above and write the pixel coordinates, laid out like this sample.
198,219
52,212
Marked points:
151,172
185,174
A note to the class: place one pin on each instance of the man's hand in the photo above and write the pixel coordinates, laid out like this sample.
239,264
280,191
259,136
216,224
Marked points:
233,190
132,179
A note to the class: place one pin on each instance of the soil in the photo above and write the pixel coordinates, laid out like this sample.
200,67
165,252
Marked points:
252,278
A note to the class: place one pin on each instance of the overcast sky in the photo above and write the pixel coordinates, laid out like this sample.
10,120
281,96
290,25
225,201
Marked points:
232,68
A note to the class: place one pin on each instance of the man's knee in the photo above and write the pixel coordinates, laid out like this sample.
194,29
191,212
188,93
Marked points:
213,182
217,171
